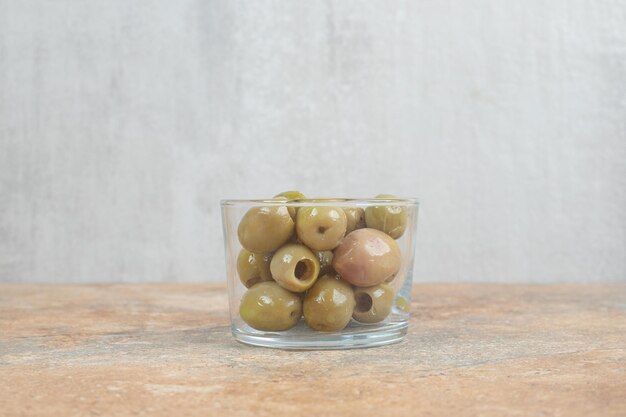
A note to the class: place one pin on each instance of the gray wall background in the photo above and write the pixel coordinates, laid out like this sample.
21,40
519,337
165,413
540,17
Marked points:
122,124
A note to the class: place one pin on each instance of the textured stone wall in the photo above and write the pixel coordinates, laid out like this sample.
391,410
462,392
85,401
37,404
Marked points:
122,125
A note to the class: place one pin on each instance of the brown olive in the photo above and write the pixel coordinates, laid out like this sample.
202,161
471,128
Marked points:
253,268
295,267
367,257
373,304
265,229
329,304
268,306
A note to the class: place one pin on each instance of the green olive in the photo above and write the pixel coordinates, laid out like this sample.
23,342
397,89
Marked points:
403,304
295,267
268,306
265,229
289,196
321,200
388,219
292,210
329,304
355,217
253,268
294,239
373,304
326,260
321,228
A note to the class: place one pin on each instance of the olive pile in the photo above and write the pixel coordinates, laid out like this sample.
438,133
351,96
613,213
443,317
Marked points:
330,264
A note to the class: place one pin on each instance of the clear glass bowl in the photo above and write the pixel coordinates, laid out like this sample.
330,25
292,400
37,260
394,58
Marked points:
356,334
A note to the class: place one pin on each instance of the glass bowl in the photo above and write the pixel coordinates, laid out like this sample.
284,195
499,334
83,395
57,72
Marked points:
313,282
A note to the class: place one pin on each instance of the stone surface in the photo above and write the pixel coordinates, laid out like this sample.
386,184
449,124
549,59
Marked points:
472,349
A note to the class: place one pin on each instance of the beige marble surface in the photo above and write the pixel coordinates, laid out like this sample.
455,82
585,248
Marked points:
472,349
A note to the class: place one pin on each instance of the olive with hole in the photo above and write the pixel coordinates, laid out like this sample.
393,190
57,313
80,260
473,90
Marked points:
355,218
326,260
295,267
265,229
321,228
329,304
389,219
253,268
367,257
268,306
373,304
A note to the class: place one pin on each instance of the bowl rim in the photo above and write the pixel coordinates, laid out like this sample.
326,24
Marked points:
326,201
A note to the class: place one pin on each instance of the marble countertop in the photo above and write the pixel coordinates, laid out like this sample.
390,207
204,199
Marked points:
166,349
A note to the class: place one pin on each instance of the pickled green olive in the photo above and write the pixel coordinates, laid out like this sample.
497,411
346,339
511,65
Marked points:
355,217
326,260
367,257
329,304
389,219
265,229
295,267
321,200
289,196
268,306
294,239
373,304
321,228
403,304
253,268
292,210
